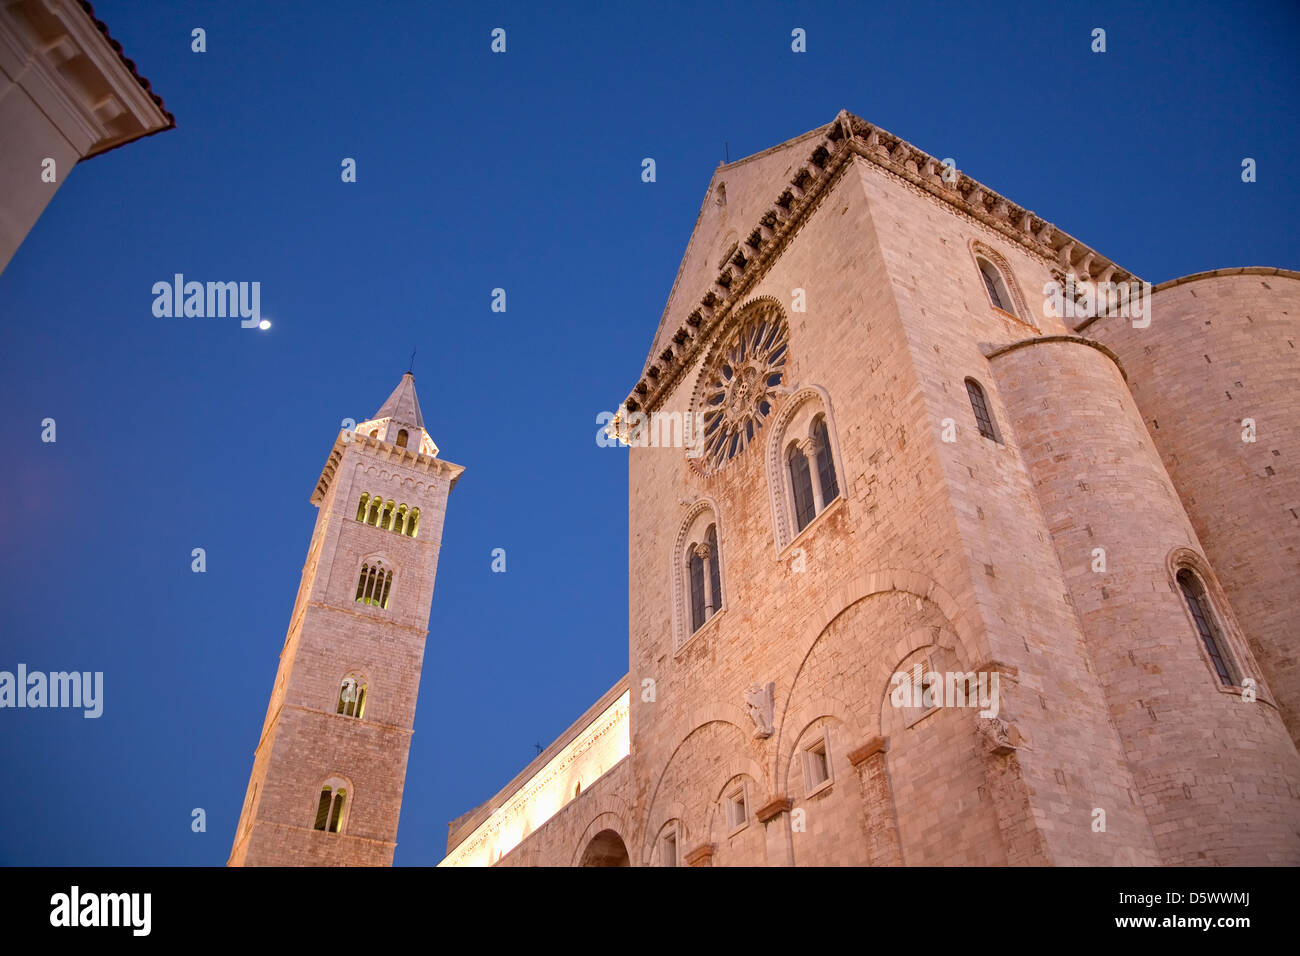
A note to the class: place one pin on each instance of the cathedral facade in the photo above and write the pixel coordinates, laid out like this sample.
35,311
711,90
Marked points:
951,542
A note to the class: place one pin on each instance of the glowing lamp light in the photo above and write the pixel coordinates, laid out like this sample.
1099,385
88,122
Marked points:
264,324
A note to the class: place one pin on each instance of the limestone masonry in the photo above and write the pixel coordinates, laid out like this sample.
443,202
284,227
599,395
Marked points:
943,576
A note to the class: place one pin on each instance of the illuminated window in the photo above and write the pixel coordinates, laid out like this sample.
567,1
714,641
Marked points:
330,809
1203,617
352,698
373,584
401,438
980,406
388,515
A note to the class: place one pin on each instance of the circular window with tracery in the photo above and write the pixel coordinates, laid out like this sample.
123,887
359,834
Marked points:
739,388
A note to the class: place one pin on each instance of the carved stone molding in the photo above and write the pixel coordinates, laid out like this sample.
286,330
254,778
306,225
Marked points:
840,140
701,856
760,701
876,745
773,808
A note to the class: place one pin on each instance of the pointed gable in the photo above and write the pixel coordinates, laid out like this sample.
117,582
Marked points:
403,405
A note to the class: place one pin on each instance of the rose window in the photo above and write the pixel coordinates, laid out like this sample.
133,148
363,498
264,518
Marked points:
740,388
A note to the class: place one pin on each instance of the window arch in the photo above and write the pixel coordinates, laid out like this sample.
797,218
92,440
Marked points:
352,697
697,581
995,285
980,407
332,806
402,437
374,583
998,281
388,515
1208,626
803,465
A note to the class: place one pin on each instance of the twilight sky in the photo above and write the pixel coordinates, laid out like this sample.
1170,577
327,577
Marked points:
478,171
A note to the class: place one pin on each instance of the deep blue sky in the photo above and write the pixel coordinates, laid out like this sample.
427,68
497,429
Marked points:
476,171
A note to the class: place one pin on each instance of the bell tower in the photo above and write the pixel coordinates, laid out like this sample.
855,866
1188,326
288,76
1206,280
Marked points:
328,772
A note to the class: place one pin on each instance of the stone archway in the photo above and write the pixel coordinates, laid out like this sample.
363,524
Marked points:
605,849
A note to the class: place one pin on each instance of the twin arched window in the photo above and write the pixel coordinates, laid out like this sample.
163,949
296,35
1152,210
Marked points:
812,473
330,808
697,572
374,583
802,462
352,698
704,565
388,515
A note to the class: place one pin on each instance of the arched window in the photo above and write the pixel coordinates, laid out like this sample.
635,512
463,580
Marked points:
995,285
715,574
373,516
361,508
980,406
352,698
374,433
386,519
330,808
373,584
1203,616
413,523
801,485
802,463
399,523
697,585
698,616
705,578
830,487
401,438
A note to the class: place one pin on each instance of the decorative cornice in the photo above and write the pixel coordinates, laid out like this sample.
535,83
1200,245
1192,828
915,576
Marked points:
702,855
382,451
773,808
876,745
1236,271
1046,339
845,137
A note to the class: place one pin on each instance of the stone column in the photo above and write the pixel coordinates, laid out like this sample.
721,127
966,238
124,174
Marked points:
879,819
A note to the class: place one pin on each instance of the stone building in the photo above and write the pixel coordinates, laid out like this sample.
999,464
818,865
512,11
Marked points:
67,93
912,456
326,786
950,543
